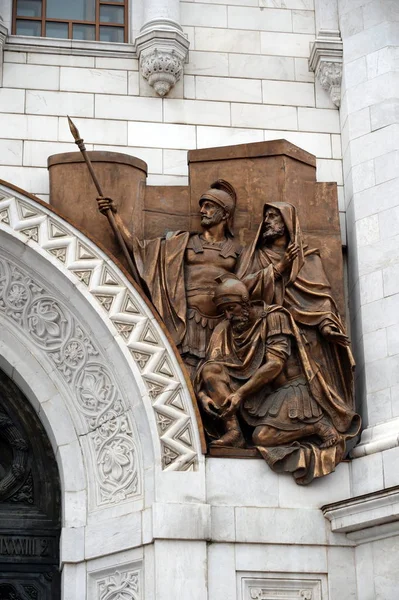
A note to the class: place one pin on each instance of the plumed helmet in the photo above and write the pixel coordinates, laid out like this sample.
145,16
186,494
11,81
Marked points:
223,194
229,289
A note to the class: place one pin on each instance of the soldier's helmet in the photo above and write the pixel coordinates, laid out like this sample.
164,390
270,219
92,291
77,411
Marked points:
223,194
230,289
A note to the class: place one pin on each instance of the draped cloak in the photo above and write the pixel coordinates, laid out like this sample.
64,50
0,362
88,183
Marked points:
160,263
242,355
306,293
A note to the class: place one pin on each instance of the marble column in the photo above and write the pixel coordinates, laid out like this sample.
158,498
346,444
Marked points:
6,13
162,10
3,36
370,139
161,45
326,15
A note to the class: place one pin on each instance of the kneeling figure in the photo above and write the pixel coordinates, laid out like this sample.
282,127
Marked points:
258,373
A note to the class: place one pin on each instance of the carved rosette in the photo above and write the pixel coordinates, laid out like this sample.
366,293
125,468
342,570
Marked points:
162,70
326,61
120,585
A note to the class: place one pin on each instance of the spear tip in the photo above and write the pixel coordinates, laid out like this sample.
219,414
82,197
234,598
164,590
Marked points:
74,130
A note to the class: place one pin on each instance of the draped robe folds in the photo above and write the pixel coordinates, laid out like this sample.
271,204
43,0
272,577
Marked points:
306,293
242,355
160,263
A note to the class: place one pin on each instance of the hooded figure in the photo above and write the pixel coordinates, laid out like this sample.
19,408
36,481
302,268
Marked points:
180,272
258,262
303,289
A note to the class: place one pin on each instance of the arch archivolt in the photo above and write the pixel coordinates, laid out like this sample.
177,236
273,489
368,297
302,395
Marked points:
19,362
71,307
100,409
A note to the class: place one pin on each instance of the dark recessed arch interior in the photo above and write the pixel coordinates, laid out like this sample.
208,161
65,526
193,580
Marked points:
30,502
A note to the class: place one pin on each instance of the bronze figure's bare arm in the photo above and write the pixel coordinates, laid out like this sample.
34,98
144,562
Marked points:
264,375
106,204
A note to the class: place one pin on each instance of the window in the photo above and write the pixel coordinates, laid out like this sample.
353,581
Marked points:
103,20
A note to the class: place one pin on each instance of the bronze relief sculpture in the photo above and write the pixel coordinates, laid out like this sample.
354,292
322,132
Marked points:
267,348
180,270
259,372
258,328
282,362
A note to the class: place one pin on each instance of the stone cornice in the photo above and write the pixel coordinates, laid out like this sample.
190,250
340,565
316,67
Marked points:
326,61
378,512
378,438
20,43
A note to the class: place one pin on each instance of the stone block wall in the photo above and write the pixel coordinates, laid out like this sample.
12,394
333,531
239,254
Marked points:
247,80
370,140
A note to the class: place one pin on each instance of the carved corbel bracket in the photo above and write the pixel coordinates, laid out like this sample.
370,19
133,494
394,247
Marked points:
326,61
162,52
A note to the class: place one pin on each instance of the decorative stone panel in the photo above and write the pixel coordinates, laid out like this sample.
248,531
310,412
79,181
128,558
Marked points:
287,586
122,582
54,331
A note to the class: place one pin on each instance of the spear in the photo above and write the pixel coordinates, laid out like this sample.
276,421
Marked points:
109,214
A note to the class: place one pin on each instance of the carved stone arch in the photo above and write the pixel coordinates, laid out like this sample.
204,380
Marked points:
42,254
81,383
83,345
121,310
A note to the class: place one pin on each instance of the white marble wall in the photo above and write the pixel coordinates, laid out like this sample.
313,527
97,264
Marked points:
247,80
216,535
370,136
370,142
377,576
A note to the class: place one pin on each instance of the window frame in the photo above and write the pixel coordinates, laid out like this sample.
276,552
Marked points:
70,22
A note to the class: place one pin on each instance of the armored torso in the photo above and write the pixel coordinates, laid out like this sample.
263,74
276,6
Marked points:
203,263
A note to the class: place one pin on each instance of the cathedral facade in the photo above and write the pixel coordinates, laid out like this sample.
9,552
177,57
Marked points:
109,487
